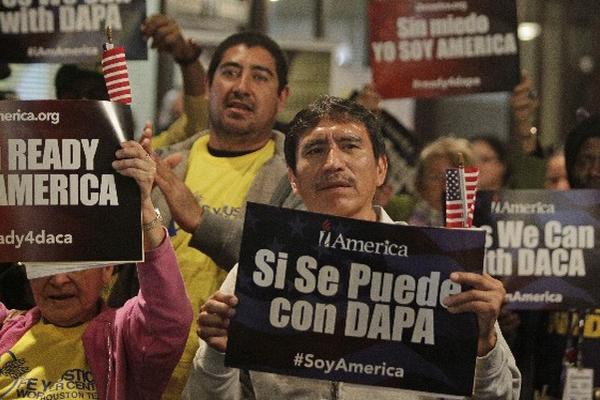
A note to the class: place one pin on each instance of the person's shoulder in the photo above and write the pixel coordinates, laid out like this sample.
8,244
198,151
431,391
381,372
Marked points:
7,315
12,318
278,136
400,206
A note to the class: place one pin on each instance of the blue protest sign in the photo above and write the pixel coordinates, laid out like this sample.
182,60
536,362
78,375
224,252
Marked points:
346,300
543,245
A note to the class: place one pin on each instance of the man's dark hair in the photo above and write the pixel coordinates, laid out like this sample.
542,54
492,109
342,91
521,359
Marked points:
588,128
74,82
337,110
251,39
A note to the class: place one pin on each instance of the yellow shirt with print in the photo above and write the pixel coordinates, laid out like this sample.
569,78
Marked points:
221,185
47,362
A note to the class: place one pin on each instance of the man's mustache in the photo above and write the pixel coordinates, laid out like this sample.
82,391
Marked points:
334,180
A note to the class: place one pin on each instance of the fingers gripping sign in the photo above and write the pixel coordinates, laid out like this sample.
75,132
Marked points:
484,299
215,317
132,160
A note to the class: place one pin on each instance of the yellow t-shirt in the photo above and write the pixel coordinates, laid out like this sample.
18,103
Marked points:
559,324
48,362
220,184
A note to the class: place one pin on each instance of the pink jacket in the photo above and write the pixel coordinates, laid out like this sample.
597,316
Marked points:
132,350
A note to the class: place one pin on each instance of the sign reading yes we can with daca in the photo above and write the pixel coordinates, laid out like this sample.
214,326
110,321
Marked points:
431,48
543,245
60,198
67,31
348,300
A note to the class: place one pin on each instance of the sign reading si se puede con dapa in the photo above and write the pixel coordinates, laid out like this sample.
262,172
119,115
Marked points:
356,301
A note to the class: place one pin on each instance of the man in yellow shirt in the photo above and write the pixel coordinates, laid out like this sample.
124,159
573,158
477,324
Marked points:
240,158
70,345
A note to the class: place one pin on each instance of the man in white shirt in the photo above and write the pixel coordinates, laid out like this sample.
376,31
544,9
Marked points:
336,160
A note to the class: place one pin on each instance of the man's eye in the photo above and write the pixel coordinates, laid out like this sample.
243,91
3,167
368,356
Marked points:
313,151
229,73
261,78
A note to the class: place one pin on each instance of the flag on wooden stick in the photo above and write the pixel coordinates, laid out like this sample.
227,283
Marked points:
461,187
114,67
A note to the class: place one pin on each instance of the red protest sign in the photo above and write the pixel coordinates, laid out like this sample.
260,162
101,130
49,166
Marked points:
421,48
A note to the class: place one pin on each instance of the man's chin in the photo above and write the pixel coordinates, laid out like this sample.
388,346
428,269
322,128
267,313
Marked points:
237,128
334,205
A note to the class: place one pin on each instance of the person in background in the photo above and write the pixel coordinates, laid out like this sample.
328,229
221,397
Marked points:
556,172
526,155
403,146
336,160
582,154
558,347
70,345
494,170
171,108
73,82
426,208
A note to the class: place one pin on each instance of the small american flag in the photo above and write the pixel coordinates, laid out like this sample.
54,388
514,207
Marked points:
457,190
116,77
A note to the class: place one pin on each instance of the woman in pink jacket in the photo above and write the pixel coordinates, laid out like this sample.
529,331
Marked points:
70,345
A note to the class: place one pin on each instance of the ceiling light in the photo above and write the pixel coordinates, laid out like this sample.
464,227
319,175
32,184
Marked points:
529,31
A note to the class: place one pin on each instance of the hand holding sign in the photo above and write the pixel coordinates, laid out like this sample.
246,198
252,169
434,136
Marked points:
214,320
485,300
133,161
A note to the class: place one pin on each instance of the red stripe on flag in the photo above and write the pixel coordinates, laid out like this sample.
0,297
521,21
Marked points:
116,77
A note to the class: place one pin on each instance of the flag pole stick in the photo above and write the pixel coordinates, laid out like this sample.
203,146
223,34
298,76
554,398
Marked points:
463,190
109,43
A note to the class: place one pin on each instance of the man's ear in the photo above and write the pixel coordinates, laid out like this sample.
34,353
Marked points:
293,181
382,167
283,96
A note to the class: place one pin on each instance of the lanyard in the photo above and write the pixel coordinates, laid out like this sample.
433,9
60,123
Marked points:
573,355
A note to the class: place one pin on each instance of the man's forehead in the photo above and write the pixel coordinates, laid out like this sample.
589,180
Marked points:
252,57
336,130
